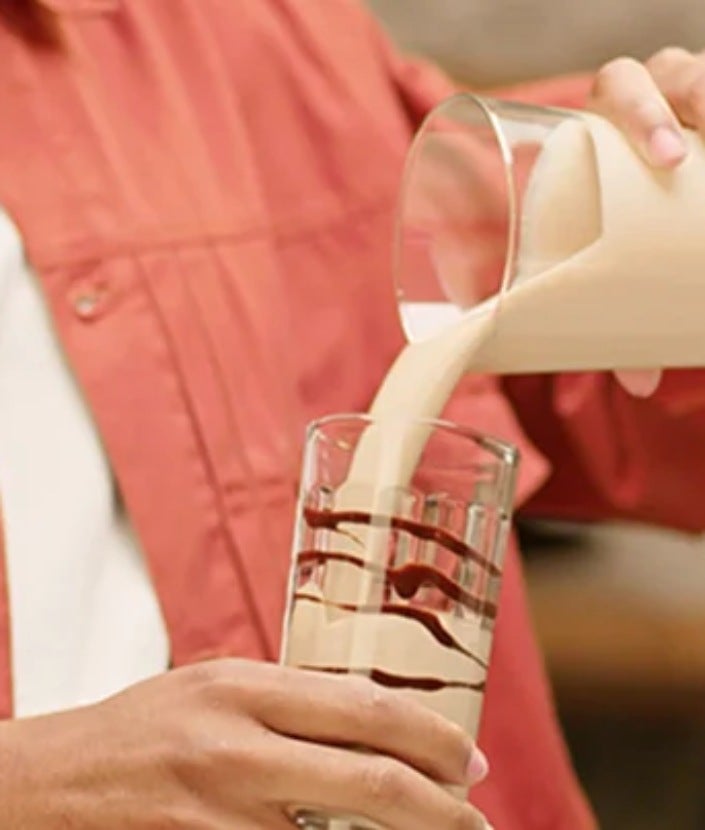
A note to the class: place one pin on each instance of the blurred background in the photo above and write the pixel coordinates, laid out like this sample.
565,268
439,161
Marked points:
619,609
491,42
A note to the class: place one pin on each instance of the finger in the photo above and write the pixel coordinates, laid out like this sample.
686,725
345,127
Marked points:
625,92
681,77
639,384
383,790
354,711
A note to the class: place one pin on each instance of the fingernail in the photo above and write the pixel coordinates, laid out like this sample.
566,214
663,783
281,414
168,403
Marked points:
478,766
640,384
666,146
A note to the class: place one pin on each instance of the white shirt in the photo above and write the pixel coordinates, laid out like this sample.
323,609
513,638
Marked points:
85,618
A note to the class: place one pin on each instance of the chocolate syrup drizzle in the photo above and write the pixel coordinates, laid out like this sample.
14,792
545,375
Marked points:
406,581
396,681
331,519
427,619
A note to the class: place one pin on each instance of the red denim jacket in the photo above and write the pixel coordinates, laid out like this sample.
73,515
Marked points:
206,189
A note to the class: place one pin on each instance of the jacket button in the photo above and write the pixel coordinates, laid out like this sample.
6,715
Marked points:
86,304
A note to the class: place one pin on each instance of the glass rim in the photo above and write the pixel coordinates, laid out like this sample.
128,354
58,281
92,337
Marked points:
505,452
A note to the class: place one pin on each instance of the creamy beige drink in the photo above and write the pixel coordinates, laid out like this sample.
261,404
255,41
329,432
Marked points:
609,272
425,627
609,276
397,563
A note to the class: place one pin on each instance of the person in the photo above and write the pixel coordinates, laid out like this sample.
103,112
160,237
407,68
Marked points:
197,202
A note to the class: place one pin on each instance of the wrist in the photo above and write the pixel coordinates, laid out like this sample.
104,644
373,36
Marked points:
16,786
37,768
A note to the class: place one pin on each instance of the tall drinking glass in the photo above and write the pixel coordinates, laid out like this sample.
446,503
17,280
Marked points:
460,231
548,228
396,577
